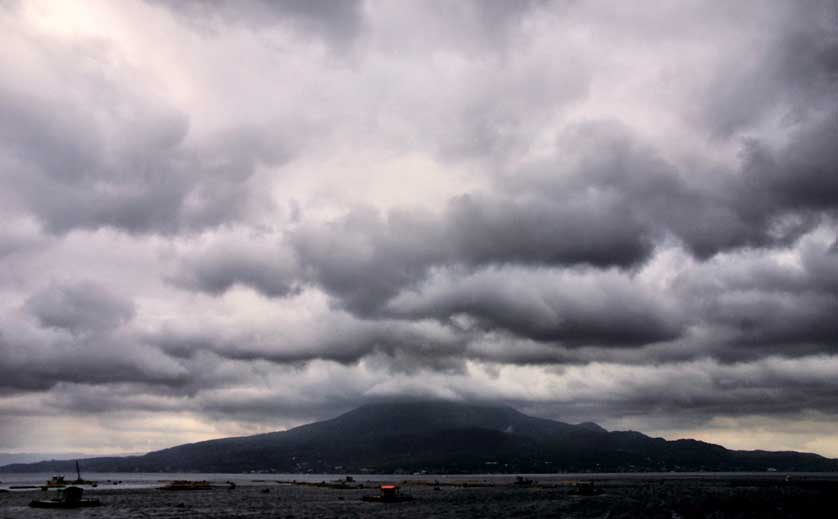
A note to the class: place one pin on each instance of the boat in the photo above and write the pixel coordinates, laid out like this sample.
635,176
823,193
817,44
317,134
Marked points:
54,482
523,482
70,497
79,480
585,488
61,482
388,494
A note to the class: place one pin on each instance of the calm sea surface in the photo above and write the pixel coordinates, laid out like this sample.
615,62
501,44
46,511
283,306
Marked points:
152,479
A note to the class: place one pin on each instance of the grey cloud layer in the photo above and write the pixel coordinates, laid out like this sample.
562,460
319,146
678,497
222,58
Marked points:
637,216
79,307
339,21
572,310
86,149
607,213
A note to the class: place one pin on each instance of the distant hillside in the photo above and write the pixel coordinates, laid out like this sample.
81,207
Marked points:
444,437
30,457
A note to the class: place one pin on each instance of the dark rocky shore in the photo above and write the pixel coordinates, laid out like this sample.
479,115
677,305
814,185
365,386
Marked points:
633,497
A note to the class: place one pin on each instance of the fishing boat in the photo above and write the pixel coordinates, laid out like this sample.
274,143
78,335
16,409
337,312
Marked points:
54,482
388,494
61,482
79,480
521,481
70,497
585,488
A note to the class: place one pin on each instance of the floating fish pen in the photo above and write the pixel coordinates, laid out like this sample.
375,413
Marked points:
187,485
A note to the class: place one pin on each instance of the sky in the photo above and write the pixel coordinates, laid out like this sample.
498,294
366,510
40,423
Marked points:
230,217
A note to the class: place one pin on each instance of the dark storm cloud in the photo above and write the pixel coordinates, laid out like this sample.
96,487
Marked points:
219,266
802,175
608,211
39,362
752,271
766,387
763,319
571,309
699,389
291,407
726,210
821,266
79,307
161,385
89,399
78,332
759,306
796,71
216,275
613,215
685,394
155,188
365,259
618,197
299,411
336,337
544,231
782,189
601,198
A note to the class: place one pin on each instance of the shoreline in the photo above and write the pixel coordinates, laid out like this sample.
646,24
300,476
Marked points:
464,497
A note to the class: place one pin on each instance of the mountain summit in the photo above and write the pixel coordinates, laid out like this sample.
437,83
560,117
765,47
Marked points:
445,437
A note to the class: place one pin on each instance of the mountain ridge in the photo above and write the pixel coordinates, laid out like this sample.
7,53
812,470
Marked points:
444,437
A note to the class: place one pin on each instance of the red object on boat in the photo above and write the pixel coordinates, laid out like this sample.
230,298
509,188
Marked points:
389,494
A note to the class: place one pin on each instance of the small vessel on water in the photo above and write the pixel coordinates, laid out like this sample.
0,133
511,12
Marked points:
54,482
388,494
61,482
585,488
79,480
523,482
70,497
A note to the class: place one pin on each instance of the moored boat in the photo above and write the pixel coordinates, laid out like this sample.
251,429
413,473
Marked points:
70,497
54,482
79,480
388,494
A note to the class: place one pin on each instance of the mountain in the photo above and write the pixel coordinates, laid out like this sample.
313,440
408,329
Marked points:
30,457
443,437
